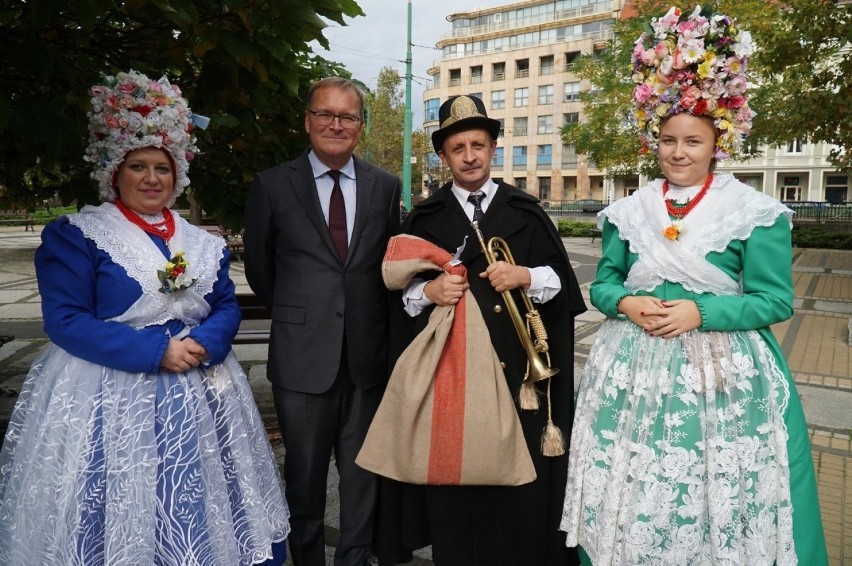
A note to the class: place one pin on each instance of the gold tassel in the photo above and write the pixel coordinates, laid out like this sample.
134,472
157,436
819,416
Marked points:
552,439
528,396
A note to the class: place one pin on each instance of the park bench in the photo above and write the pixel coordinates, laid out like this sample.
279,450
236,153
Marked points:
253,309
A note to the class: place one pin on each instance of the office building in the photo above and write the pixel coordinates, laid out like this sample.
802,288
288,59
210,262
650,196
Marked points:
518,58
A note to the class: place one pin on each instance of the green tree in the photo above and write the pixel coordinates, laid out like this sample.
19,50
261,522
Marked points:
381,143
808,51
382,139
244,63
797,72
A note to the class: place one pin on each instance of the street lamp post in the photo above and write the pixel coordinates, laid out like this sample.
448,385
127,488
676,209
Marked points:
406,136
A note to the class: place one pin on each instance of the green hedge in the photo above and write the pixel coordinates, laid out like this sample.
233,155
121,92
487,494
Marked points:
819,237
577,229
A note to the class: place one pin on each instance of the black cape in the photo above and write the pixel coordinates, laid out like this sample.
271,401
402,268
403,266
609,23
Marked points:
487,525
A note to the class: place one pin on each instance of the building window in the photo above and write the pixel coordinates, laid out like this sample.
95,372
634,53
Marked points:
544,156
430,109
569,156
498,71
521,184
502,127
436,80
519,128
455,77
545,94
519,157
545,124
572,91
836,188
498,99
570,118
476,75
571,59
544,188
545,65
497,159
522,97
795,146
476,95
522,68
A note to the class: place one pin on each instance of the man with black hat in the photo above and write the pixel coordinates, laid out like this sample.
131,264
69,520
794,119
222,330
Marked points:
489,525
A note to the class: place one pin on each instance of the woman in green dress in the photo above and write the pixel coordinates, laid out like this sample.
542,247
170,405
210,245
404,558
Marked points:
689,444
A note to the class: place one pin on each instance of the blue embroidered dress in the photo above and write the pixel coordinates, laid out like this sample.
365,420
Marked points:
111,460
693,450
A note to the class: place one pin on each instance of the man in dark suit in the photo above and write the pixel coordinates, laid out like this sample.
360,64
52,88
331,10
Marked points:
489,525
316,232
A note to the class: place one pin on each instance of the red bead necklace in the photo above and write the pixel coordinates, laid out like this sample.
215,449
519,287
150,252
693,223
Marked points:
164,229
681,211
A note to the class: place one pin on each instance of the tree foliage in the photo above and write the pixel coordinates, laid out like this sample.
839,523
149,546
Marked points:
244,63
809,56
382,141
797,74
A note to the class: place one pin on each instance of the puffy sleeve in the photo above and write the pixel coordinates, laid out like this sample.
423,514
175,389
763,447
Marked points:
70,272
767,284
217,331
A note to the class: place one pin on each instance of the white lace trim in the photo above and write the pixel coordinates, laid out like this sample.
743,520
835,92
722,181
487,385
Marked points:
131,248
730,211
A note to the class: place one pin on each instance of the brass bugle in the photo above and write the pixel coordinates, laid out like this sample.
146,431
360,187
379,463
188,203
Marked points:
495,250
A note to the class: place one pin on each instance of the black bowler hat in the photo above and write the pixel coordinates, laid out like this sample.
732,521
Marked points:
460,113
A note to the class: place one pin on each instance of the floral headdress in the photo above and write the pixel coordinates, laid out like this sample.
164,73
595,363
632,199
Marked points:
131,111
693,64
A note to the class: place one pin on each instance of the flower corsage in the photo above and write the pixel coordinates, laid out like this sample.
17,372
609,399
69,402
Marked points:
174,277
674,230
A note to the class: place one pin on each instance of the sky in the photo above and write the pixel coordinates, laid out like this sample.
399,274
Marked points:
369,43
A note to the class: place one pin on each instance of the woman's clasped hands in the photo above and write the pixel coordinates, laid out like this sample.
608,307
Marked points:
658,317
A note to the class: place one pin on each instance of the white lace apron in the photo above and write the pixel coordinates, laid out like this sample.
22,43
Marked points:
678,450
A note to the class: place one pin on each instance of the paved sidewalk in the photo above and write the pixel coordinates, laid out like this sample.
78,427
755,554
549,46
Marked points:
815,341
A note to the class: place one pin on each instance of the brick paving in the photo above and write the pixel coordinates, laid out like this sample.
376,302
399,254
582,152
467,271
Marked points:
819,355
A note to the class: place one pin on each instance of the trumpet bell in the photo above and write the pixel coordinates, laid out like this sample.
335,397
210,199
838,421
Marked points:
538,370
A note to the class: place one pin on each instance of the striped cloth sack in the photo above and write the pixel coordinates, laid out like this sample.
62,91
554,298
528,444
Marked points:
447,416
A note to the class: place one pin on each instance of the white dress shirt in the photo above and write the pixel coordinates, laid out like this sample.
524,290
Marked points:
544,283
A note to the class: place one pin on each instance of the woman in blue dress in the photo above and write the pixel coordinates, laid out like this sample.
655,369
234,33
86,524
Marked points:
689,444
135,439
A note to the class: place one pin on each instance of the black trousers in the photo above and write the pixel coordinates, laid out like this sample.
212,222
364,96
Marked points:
313,425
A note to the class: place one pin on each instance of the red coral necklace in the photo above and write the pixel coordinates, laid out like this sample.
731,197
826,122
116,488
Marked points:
679,211
164,229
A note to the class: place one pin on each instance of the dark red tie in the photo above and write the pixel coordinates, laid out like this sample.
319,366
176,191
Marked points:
337,217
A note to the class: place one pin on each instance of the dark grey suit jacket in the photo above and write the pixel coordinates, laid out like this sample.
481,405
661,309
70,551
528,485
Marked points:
292,265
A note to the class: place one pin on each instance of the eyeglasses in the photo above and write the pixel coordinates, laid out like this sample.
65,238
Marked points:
326,118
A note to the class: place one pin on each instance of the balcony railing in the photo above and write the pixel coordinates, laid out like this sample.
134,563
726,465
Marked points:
476,79
601,35
589,9
522,73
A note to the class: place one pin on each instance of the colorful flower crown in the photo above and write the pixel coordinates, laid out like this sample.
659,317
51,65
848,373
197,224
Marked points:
693,64
131,111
